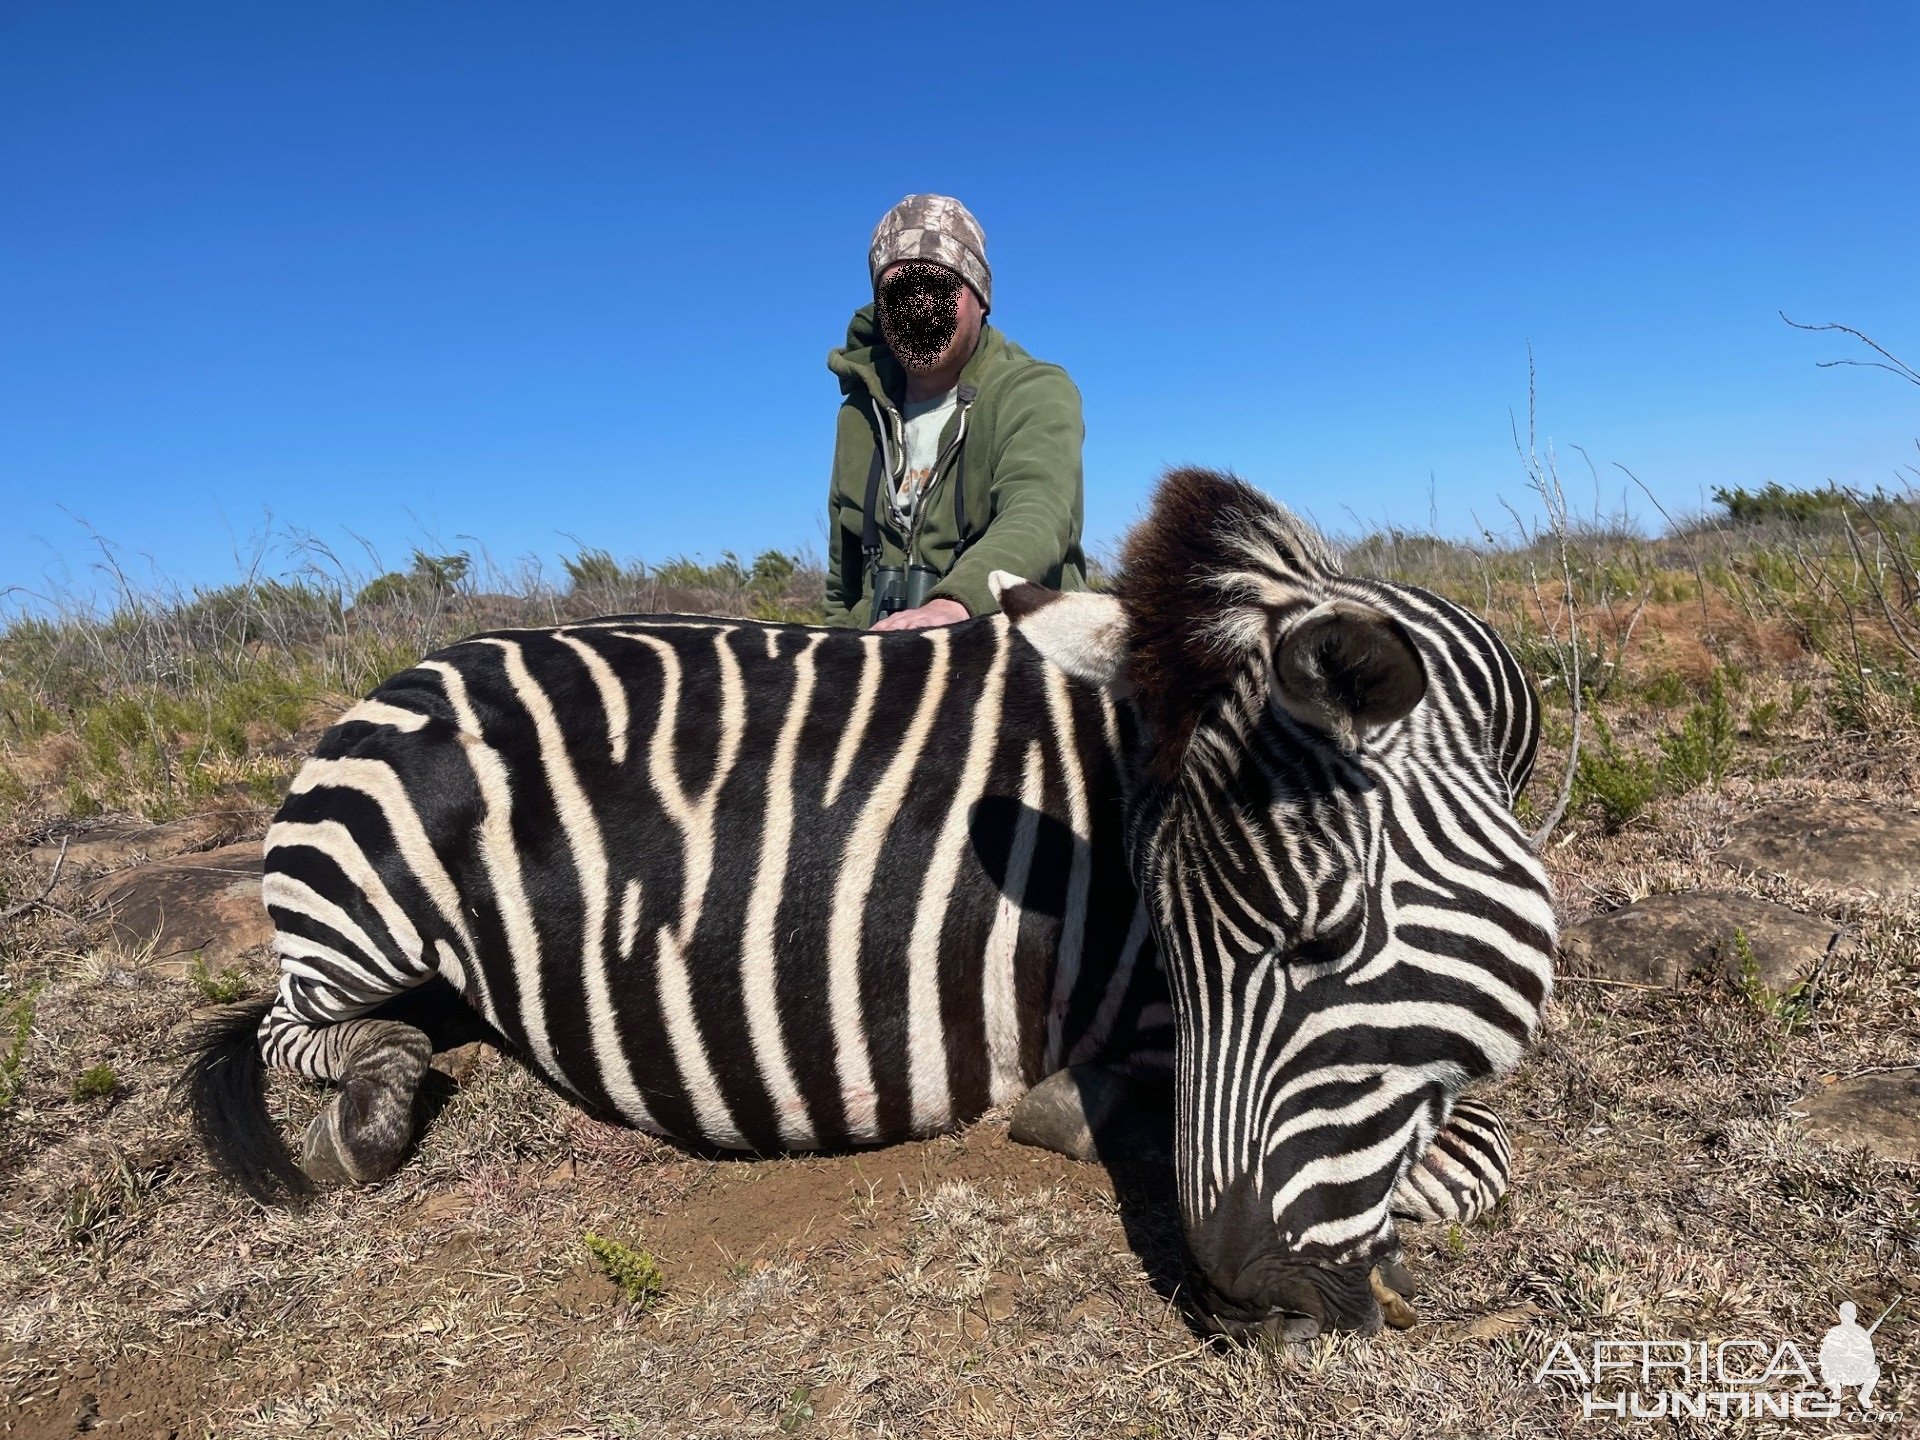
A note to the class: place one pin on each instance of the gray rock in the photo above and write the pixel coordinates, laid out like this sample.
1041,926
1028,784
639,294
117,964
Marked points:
117,845
1880,1112
1666,939
208,903
1834,844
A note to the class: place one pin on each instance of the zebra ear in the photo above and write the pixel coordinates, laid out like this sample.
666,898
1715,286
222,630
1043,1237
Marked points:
1084,634
1347,668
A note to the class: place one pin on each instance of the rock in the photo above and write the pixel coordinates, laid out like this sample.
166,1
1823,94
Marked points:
1665,939
459,1062
1881,1112
1834,844
115,846
208,903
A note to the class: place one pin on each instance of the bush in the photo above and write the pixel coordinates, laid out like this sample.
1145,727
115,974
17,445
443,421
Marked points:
1775,502
1617,781
95,1084
229,985
634,1271
432,577
1700,752
594,569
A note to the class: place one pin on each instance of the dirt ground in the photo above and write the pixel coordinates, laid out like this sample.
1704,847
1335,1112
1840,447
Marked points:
960,1286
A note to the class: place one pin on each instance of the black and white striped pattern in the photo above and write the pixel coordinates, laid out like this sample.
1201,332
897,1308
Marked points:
1353,925
763,887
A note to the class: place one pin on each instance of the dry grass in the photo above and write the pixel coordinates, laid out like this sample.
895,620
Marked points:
961,1285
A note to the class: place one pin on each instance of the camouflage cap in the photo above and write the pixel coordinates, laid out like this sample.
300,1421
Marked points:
937,228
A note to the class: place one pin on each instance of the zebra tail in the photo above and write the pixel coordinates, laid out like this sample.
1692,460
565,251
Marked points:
224,1087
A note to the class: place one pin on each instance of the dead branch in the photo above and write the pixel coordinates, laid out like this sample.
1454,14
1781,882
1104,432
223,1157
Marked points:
40,901
1889,362
1545,478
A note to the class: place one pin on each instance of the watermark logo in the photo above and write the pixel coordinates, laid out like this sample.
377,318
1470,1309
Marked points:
1846,1356
1727,1379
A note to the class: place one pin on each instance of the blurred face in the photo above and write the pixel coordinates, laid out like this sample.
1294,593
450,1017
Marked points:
928,314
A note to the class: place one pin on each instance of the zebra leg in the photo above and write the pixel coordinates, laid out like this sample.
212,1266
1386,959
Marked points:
1093,1112
362,1133
1464,1172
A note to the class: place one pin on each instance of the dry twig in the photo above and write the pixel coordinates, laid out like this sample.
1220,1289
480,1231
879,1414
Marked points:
40,901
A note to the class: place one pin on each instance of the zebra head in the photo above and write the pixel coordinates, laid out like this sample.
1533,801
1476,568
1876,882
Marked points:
1352,924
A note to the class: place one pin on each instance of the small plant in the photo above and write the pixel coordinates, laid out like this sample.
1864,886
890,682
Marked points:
1791,1007
1615,779
1665,690
594,568
229,985
799,1409
432,577
16,1025
95,1084
635,1272
1702,749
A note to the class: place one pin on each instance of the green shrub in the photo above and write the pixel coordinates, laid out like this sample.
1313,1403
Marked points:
432,577
1613,779
594,569
1702,749
1665,690
634,1271
17,1025
229,985
1775,502
95,1084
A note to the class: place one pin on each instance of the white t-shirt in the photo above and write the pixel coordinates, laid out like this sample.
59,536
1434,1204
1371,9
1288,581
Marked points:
923,420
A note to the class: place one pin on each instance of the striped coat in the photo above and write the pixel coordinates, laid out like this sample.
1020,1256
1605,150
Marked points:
881,897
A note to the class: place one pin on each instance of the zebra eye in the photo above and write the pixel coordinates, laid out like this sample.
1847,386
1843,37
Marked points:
1327,946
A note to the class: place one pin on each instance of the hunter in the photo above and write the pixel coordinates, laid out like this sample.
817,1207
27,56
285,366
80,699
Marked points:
956,453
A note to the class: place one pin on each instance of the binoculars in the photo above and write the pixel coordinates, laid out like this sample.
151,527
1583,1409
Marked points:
900,587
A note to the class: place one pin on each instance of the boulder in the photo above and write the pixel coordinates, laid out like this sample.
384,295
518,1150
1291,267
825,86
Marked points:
1880,1112
1840,845
115,846
208,903
1667,939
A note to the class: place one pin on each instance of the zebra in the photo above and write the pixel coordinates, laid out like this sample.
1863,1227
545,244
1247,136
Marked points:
1242,825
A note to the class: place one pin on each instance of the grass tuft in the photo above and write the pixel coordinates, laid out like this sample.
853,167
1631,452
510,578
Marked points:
231,984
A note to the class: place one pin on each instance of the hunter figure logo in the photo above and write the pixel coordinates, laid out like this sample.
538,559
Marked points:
1846,1356
1655,1379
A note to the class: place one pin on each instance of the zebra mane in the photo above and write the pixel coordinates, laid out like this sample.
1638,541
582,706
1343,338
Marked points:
1203,579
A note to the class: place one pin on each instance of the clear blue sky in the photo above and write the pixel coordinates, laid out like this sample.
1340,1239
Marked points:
521,272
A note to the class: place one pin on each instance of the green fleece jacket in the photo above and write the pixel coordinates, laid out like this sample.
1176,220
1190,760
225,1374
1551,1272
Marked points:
1017,457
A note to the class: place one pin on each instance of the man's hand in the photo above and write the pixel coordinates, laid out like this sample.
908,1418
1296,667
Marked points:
941,611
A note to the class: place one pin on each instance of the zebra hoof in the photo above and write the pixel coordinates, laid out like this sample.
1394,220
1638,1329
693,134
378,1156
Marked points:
329,1159
1394,1308
1053,1116
1088,1112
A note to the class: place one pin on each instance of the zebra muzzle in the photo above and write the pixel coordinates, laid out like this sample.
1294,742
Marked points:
1279,1298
